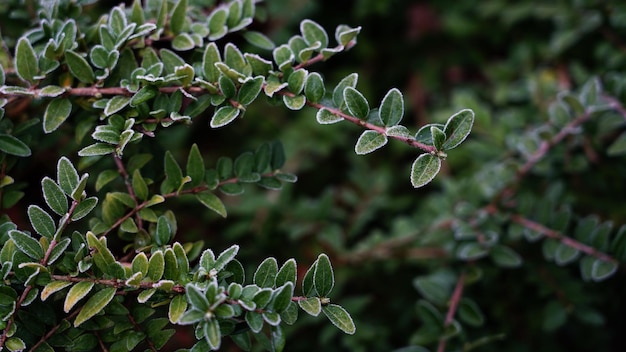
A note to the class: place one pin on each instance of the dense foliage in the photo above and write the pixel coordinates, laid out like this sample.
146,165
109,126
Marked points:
129,173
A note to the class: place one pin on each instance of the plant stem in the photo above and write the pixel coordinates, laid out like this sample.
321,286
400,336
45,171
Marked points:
457,294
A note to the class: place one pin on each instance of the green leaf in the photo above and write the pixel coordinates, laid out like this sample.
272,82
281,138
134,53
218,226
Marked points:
217,24
283,56
54,196
227,87
435,287
265,275
323,276
28,245
470,313
369,141
471,251
278,156
210,57
294,103
565,254
340,318
356,103
143,95
259,40
26,65
56,113
311,305
102,256
287,273
282,297
344,34
97,149
163,231
505,257
53,287
314,88
51,91
225,257
139,185
177,307
212,334
41,221
313,32
173,172
195,166
15,344
223,116
618,147
156,266
170,60
326,117
95,305
254,321
67,176
438,137
457,128
79,67
116,104
602,270
424,169
177,19
197,298
212,202
13,146
349,81
392,108
76,293
250,89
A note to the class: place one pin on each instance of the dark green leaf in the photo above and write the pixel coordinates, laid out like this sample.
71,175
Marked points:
195,166
505,257
67,176
392,108
97,149
212,202
254,321
323,277
313,32
79,67
13,146
26,65
56,113
278,156
250,89
211,56
470,313
369,141
41,221
259,40
424,169
54,196
471,251
356,103
602,270
95,305
311,305
223,116
212,334
143,95
265,274
287,273
282,297
340,318
438,137
457,128
116,104
28,245
177,19
348,81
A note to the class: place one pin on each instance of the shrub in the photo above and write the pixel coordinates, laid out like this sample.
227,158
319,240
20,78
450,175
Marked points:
112,186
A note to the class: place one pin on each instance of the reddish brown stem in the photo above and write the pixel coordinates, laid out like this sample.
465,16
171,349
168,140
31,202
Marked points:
568,241
457,294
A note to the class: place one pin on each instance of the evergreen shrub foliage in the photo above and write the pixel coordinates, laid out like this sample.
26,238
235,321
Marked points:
148,161
100,266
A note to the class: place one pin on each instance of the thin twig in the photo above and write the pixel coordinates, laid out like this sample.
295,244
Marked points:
457,294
